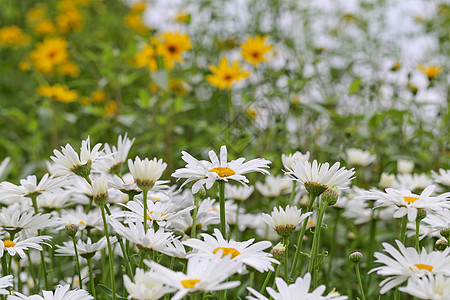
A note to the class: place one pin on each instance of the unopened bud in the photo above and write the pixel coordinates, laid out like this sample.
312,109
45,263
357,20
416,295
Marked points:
356,257
446,233
201,194
100,190
421,214
71,229
441,244
330,196
315,188
351,236
278,251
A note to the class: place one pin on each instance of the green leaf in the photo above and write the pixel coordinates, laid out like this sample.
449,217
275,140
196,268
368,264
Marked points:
354,87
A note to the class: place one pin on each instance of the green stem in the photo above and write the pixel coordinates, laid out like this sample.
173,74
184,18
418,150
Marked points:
277,273
91,277
312,197
4,265
110,253
417,244
194,217
286,260
32,271
252,277
127,259
361,289
403,230
145,209
266,281
237,220
77,261
316,240
333,240
291,198
223,224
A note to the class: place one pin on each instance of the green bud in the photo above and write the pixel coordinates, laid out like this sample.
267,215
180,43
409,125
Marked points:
446,233
356,257
315,188
71,229
330,196
441,244
278,251
421,214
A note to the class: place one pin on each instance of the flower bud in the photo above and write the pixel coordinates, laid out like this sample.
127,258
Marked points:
285,230
446,233
386,180
100,190
201,194
278,251
421,214
315,188
441,244
356,257
330,196
71,229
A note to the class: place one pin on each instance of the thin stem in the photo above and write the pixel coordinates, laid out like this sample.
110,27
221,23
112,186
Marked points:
417,244
316,240
403,230
194,217
77,261
266,281
110,253
252,277
127,259
291,198
237,220
333,239
277,273
361,289
144,194
4,265
91,277
222,208
286,260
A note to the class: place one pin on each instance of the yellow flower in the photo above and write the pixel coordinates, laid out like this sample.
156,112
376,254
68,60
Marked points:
13,36
24,66
179,86
430,70
225,75
44,27
182,17
36,14
172,45
110,109
254,49
48,54
58,93
69,20
69,68
139,6
98,96
397,65
134,21
146,58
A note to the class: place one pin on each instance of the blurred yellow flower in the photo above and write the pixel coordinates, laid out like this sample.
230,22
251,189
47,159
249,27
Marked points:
254,49
146,58
225,75
58,92
36,14
172,45
13,36
134,21
24,66
69,68
430,70
397,65
179,86
110,109
139,7
49,53
44,27
98,96
70,17
182,17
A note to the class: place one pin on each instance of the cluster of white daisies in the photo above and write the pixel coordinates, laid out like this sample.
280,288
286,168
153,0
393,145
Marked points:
86,207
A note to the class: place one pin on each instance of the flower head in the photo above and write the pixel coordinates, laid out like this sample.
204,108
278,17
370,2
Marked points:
225,75
285,221
144,287
254,49
431,71
49,54
61,292
428,287
146,172
5,282
289,159
146,58
13,36
358,157
171,46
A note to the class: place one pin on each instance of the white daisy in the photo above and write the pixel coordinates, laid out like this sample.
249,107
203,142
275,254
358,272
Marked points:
358,157
115,156
125,184
274,186
297,290
3,166
54,200
18,247
318,177
79,217
428,287
386,180
203,274
204,172
405,166
69,162
438,221
5,281
285,221
244,252
411,182
29,187
443,177
407,263
61,293
14,220
238,193
144,287
146,172
84,249
289,159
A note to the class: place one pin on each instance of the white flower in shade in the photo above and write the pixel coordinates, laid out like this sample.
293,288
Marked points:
407,203
243,252
29,187
81,218
144,287
18,247
438,221
443,177
274,186
146,172
158,212
405,166
54,200
318,177
84,248
203,275
125,184
115,156
204,172
13,219
358,157
297,290
412,182
159,241
238,193
61,293
69,162
407,263
285,221
428,287
5,281
99,190
3,166
386,180
289,159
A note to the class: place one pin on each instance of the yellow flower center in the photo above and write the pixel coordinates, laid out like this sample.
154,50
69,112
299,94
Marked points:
223,171
189,283
227,251
410,200
423,267
310,223
82,223
8,243
149,218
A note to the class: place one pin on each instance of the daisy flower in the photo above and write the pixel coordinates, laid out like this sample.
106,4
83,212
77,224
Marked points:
3,166
318,177
443,177
5,281
61,293
429,287
225,75
289,159
146,172
203,274
29,187
407,263
54,200
79,217
171,46
274,186
204,172
115,156
405,166
125,184
297,290
144,287
14,220
254,50
358,157
411,182
243,252
85,249
67,161
238,193
285,221
438,221
18,247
